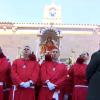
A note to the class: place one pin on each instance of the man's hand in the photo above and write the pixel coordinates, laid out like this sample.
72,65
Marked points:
25,84
51,86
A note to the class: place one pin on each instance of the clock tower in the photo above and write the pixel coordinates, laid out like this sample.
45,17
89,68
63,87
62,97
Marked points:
52,14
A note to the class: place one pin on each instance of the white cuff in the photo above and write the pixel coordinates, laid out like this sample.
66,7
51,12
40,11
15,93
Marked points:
30,81
21,83
47,81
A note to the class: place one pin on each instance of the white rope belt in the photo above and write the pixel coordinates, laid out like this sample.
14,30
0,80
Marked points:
56,95
81,86
45,86
1,83
32,87
8,89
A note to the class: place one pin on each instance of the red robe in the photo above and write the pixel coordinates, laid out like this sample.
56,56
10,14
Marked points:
22,71
4,75
77,76
55,73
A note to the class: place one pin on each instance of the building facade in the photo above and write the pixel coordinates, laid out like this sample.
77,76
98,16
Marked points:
75,38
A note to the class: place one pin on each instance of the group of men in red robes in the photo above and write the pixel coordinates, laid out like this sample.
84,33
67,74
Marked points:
52,77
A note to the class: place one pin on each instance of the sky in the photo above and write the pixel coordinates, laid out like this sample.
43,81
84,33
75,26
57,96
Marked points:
30,11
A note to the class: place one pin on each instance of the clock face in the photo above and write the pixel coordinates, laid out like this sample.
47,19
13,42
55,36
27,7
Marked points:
52,12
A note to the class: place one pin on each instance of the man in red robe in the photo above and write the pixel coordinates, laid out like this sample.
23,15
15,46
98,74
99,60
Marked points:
24,75
77,76
53,77
4,74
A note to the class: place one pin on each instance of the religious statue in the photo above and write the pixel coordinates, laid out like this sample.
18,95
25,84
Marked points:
48,45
